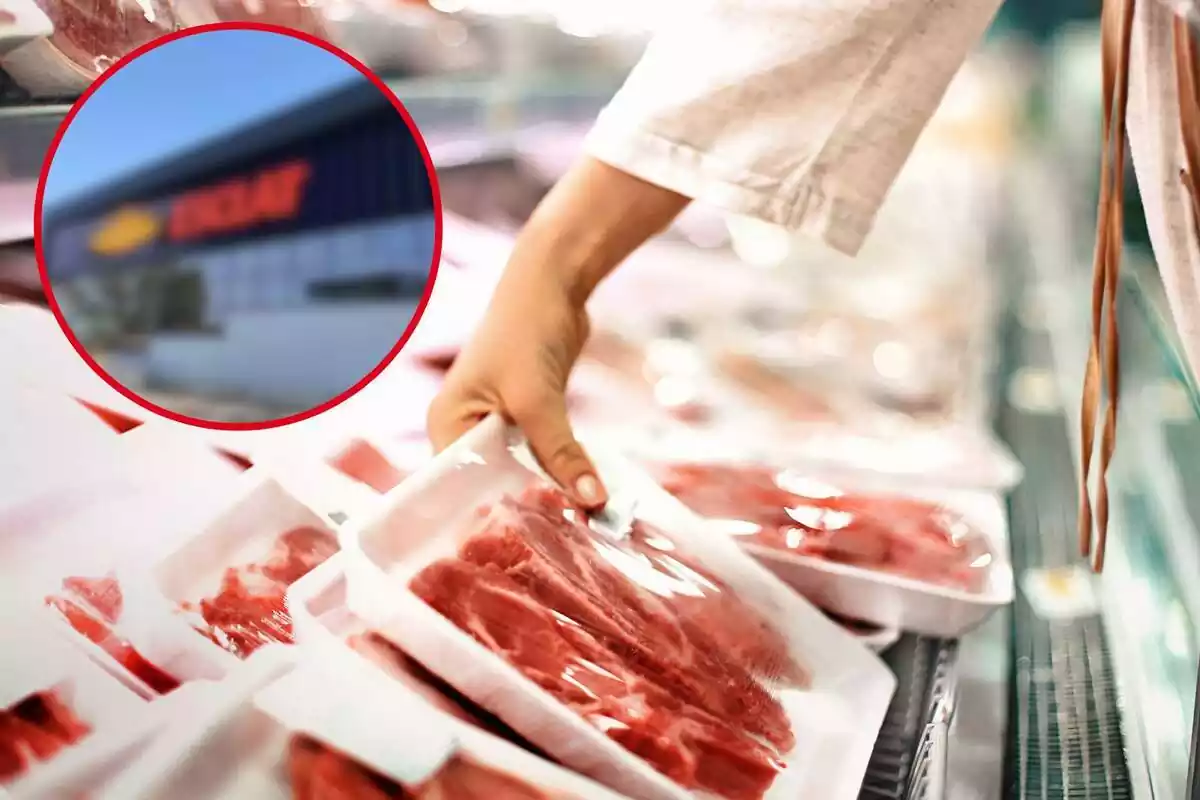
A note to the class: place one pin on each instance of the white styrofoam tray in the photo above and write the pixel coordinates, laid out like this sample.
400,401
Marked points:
962,456
169,448
894,601
244,533
50,441
136,504
34,660
323,620
879,639
835,721
873,596
149,622
36,353
234,745
207,746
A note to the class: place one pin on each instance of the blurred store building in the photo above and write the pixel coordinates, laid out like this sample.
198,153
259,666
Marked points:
315,225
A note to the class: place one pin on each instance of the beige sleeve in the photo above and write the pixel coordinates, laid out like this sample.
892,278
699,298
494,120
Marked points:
797,112
1156,143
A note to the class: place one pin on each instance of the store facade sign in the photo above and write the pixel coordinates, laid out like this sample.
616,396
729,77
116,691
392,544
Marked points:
230,207
369,170
240,204
125,231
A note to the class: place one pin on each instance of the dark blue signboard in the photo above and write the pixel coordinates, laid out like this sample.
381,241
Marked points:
359,170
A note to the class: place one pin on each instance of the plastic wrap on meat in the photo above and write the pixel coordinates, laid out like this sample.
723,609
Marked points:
364,463
250,610
902,536
34,730
320,773
93,34
633,636
92,606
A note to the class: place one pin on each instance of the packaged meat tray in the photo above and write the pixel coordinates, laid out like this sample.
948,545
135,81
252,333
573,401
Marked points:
37,354
56,443
329,481
89,37
68,477
331,725
672,376
122,624
295,14
57,709
381,462
230,581
323,619
955,455
148,490
23,22
661,661
931,562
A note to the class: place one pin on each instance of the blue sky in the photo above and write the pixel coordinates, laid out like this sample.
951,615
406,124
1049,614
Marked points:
183,93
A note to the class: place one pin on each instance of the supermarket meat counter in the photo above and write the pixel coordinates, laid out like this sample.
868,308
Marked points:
948,690
1038,702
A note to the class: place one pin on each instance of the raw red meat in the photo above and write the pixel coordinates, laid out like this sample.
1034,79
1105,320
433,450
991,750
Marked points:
321,773
466,780
121,423
95,33
241,462
632,636
36,729
250,610
297,552
903,536
92,606
365,464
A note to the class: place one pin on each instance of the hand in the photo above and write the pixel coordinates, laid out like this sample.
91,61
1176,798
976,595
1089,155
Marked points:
519,359
518,363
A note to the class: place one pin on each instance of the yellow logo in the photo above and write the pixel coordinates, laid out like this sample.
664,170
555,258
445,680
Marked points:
127,230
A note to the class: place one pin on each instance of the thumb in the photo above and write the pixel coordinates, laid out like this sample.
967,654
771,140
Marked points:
554,446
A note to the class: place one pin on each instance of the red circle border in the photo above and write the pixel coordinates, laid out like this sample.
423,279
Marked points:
333,402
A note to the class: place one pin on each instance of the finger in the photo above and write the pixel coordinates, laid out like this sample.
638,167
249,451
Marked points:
544,422
447,421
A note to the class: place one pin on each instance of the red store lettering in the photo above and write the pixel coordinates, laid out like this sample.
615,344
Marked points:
273,195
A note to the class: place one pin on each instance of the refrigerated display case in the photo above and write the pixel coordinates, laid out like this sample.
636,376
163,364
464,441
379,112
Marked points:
1038,702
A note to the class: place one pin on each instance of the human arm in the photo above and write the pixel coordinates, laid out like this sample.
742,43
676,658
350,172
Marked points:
798,112
521,355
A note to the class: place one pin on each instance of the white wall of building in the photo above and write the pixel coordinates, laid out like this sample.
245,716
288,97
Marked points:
274,273
293,356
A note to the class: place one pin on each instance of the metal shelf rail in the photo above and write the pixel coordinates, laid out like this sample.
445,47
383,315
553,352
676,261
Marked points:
26,131
909,761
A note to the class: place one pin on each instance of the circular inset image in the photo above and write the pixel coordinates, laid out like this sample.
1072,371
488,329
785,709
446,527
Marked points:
238,226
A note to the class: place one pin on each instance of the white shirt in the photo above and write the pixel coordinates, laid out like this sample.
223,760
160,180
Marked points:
802,113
